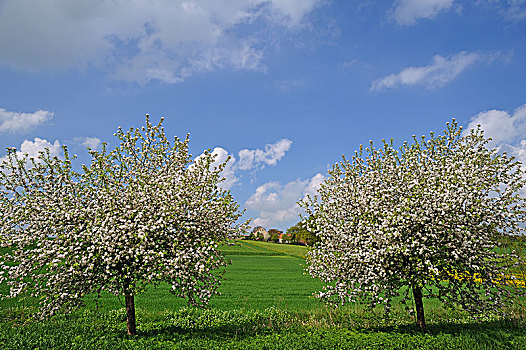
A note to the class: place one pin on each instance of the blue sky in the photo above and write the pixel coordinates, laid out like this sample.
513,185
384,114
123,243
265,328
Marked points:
283,86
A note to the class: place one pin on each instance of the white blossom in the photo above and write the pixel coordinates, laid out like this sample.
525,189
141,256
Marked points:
427,216
143,213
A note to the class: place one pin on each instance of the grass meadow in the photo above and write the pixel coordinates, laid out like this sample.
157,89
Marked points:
265,303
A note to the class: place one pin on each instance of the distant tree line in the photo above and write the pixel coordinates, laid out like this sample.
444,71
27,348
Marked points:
296,234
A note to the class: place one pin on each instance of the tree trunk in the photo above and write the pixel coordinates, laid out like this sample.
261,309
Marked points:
419,306
130,314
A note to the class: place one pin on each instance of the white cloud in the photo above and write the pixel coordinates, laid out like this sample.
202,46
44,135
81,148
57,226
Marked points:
143,40
314,184
88,142
248,159
33,148
440,72
408,12
294,10
19,122
220,156
514,10
503,128
228,172
276,204
518,151
508,131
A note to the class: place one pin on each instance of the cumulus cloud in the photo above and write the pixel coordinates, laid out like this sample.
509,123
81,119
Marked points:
33,148
143,40
276,204
88,142
221,155
502,127
408,12
19,122
518,151
248,160
441,71
270,155
506,130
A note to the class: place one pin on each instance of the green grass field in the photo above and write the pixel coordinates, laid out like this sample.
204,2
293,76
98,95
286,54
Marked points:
265,303
260,276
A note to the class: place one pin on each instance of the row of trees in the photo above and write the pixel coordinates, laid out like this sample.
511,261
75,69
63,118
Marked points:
296,234
429,216
300,234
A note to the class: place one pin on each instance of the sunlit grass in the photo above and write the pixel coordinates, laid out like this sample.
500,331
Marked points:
265,303
288,249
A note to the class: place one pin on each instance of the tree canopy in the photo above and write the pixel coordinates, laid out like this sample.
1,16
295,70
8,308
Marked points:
142,213
299,233
425,216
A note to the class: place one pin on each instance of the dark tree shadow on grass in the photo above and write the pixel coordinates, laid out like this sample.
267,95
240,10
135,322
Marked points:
517,326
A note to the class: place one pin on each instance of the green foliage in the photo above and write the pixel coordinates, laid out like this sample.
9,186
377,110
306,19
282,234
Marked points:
271,328
300,234
285,238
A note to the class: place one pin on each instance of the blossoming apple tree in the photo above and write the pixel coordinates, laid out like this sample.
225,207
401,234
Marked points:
141,214
427,216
